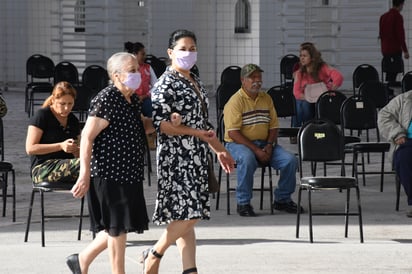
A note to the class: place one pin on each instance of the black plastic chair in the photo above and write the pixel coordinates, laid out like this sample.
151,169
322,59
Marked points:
406,83
376,92
321,140
5,169
55,187
157,65
262,187
95,78
360,114
39,79
66,71
362,73
229,84
287,63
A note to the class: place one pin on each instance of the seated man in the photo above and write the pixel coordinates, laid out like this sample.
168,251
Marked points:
394,122
251,128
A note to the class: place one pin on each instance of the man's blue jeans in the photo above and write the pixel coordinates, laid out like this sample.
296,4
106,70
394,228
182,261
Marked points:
305,111
247,164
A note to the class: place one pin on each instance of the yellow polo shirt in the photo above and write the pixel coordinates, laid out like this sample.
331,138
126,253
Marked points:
254,118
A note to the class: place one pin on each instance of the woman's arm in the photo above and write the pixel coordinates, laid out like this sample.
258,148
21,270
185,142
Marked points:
33,146
92,128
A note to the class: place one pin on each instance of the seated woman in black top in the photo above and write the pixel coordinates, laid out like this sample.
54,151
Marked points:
52,138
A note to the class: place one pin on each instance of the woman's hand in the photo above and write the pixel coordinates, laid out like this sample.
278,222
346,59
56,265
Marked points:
81,187
226,161
400,141
70,146
207,135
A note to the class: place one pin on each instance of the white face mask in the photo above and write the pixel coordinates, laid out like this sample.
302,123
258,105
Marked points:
185,59
133,80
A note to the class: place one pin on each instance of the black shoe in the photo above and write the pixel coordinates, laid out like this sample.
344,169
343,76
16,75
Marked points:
289,207
73,263
246,210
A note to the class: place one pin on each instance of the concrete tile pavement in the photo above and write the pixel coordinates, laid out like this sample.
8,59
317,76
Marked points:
226,243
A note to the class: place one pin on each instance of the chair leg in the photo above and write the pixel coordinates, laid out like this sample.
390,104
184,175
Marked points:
26,235
4,193
382,169
363,170
347,212
228,193
298,213
398,191
42,218
220,184
14,194
360,214
262,187
310,215
79,234
270,190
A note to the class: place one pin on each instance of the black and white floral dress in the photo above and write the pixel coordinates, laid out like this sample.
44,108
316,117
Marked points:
181,160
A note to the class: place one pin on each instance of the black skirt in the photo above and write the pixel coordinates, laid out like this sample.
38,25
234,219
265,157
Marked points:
117,208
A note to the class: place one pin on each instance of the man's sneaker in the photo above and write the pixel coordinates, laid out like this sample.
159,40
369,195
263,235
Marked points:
289,207
245,210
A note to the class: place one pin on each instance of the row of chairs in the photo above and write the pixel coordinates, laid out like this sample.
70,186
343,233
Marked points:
42,74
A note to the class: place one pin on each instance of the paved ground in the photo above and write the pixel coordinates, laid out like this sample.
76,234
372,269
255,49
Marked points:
226,244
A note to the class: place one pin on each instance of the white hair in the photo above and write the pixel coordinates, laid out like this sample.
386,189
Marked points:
116,62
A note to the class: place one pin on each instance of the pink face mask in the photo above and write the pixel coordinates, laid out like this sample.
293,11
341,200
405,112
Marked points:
133,80
185,59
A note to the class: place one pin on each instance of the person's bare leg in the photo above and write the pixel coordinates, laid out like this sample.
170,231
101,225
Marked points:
187,248
117,247
87,255
174,231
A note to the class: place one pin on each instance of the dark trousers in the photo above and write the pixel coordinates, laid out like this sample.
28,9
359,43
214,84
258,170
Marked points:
392,65
403,166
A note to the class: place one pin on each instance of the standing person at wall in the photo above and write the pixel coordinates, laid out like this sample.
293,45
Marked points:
312,70
182,197
112,165
53,138
392,35
148,80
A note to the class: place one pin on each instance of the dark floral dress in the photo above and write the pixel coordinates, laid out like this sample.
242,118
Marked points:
181,160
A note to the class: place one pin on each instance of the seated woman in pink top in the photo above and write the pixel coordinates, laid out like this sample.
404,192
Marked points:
312,70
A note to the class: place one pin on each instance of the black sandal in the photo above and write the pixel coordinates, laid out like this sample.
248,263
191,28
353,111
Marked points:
145,254
190,270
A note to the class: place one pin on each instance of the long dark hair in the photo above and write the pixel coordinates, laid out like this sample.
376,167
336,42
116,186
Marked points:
316,60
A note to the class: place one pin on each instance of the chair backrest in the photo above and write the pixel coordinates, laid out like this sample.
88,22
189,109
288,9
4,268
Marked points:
362,73
95,78
283,100
329,104
320,140
157,65
66,71
229,84
406,84
358,114
287,64
374,91
40,67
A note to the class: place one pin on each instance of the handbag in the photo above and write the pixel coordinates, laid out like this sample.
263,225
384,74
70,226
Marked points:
212,180
313,91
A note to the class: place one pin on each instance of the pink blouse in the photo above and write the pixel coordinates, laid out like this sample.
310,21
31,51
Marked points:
328,75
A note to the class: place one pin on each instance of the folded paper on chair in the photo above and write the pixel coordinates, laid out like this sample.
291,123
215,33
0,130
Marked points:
313,91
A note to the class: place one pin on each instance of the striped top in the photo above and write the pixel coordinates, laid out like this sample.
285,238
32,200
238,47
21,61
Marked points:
253,117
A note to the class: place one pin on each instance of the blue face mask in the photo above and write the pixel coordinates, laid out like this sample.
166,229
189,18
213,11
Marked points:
185,59
133,80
